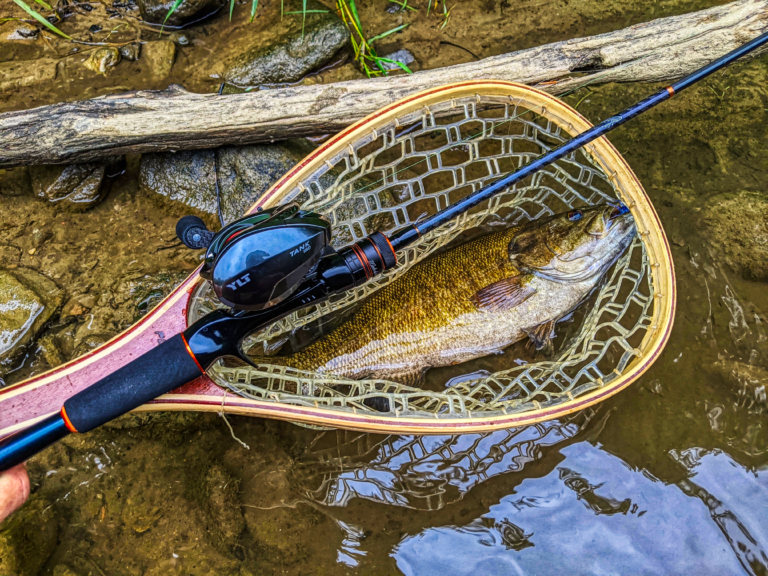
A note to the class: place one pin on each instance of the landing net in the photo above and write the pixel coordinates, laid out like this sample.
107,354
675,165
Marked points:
418,160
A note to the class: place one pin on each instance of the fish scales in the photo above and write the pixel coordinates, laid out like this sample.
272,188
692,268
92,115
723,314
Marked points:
428,318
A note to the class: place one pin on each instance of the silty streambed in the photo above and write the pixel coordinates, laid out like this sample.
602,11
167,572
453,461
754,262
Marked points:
668,476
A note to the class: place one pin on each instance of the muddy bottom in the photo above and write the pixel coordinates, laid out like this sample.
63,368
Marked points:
669,476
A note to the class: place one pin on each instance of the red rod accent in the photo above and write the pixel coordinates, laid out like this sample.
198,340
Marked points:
67,421
671,91
186,345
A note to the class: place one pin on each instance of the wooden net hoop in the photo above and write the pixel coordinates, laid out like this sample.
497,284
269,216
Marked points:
381,174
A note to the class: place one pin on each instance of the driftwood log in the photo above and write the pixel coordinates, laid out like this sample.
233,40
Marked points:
175,119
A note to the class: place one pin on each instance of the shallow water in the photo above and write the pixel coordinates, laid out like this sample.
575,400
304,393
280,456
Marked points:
669,476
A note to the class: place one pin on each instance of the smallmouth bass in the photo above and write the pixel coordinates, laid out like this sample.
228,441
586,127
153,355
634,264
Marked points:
474,300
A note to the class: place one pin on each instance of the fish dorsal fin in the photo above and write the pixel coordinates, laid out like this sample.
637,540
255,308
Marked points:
504,294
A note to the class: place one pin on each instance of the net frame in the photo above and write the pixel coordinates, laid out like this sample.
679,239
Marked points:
475,405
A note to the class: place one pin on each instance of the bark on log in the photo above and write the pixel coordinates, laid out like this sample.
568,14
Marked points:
175,119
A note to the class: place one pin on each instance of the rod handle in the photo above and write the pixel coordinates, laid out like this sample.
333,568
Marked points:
165,367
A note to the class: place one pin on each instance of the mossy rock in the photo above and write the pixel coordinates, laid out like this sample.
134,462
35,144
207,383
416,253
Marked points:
28,300
27,538
737,230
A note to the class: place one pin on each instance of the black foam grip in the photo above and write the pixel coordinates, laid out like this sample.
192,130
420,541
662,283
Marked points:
385,248
160,370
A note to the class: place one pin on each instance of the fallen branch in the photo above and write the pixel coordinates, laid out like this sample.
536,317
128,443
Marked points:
175,119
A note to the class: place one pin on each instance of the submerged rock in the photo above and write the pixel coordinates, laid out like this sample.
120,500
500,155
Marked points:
159,57
103,60
188,179
745,380
130,51
225,522
246,172
185,177
28,300
188,11
15,181
22,73
737,229
294,54
28,538
76,187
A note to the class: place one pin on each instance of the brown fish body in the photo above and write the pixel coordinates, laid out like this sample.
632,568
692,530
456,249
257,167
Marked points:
466,303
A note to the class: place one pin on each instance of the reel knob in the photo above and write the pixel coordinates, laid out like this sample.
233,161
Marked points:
193,232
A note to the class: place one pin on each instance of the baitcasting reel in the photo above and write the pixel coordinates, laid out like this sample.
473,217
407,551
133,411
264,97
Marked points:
260,260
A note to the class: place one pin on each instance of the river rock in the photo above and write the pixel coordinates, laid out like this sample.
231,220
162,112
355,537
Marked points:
737,229
28,538
745,380
293,54
28,300
403,56
188,11
159,56
224,519
188,179
74,188
15,181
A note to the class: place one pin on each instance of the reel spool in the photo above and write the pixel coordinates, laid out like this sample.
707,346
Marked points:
417,157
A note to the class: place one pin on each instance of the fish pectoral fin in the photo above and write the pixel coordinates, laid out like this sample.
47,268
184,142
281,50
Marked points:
541,337
504,294
414,379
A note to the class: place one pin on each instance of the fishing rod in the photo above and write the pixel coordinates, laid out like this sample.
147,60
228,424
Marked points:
268,265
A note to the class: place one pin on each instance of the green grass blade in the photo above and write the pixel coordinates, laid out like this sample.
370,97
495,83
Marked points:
231,9
353,8
400,64
24,6
303,18
176,4
254,5
309,12
44,5
387,33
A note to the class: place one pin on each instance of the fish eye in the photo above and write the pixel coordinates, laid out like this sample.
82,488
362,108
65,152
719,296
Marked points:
575,215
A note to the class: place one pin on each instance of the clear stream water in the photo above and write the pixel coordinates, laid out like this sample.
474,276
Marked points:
669,476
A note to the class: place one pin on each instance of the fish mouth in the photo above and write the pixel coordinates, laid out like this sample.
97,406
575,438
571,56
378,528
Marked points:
616,217
618,210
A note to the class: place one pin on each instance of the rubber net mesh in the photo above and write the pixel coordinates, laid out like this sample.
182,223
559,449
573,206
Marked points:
418,164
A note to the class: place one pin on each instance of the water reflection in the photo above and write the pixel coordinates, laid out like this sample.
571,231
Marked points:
648,527
426,472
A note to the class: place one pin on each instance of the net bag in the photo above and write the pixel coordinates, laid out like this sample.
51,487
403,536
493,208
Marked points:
417,157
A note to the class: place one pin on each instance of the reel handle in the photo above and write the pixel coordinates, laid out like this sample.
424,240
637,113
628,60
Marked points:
193,232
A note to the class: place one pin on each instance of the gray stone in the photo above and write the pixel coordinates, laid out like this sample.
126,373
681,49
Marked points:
28,300
188,11
188,179
403,56
293,55
15,181
182,178
159,57
76,187
246,172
